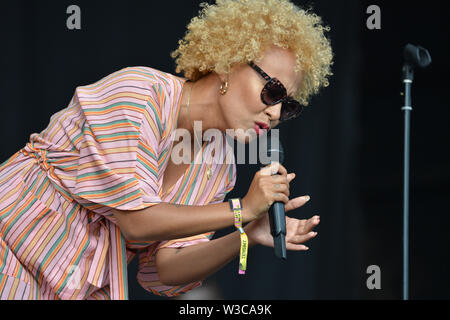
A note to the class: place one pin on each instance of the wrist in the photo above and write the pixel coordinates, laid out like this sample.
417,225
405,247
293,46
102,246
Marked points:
249,231
237,207
247,212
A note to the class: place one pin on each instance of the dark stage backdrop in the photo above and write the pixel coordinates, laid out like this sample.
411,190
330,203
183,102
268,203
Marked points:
346,149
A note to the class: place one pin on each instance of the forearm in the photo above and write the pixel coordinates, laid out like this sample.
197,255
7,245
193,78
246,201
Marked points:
197,262
167,221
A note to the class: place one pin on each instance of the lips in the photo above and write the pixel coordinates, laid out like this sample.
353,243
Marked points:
259,126
263,125
257,130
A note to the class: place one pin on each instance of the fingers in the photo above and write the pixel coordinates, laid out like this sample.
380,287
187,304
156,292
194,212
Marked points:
279,184
279,180
280,169
306,226
280,197
274,168
297,241
291,176
296,203
311,223
296,247
304,237
282,188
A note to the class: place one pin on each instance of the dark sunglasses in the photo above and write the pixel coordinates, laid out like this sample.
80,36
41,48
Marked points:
275,92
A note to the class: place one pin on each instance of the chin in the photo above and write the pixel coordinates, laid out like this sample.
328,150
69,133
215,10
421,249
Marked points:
243,134
245,138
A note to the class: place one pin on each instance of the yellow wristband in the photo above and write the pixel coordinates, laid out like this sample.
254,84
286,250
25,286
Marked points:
243,253
236,207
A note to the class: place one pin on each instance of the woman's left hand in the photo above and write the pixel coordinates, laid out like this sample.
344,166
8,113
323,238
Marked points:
297,232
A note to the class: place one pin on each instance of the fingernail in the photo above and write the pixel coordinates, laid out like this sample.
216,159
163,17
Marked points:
307,198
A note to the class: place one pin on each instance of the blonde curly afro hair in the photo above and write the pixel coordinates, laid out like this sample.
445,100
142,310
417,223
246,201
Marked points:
239,31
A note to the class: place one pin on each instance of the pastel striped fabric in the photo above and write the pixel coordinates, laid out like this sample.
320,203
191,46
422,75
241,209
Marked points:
108,149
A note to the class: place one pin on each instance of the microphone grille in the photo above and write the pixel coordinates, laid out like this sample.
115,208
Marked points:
273,151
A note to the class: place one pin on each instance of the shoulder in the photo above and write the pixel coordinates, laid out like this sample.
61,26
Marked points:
138,84
160,80
138,76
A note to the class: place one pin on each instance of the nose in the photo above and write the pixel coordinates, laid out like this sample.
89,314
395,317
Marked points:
274,113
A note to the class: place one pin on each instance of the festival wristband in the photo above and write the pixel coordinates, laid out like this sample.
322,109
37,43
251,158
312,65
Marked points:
236,207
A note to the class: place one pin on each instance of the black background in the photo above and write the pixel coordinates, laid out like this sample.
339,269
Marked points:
346,149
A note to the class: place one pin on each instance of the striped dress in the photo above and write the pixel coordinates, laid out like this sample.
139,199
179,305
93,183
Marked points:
108,149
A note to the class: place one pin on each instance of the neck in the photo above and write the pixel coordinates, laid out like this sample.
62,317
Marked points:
204,105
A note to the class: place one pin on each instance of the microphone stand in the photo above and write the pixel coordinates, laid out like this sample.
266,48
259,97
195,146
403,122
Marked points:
414,56
408,76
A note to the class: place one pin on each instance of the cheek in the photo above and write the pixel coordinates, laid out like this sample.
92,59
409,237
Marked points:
241,102
248,99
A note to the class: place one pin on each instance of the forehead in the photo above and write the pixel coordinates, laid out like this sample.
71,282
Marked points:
280,63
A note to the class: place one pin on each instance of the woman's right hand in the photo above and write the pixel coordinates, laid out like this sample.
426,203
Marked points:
270,184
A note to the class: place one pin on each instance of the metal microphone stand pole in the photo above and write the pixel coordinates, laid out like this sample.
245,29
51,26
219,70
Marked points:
408,74
414,56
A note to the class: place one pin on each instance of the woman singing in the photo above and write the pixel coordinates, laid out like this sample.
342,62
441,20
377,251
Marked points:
100,185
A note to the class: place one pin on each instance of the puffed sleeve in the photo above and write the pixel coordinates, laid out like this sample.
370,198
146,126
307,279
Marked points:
147,272
119,142
230,180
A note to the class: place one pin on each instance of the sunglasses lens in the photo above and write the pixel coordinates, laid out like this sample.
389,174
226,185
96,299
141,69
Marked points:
291,109
273,92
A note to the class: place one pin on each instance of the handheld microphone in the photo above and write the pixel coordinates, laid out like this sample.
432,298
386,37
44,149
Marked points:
277,216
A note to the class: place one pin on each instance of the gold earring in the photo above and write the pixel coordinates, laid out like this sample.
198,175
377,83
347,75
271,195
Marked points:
224,88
